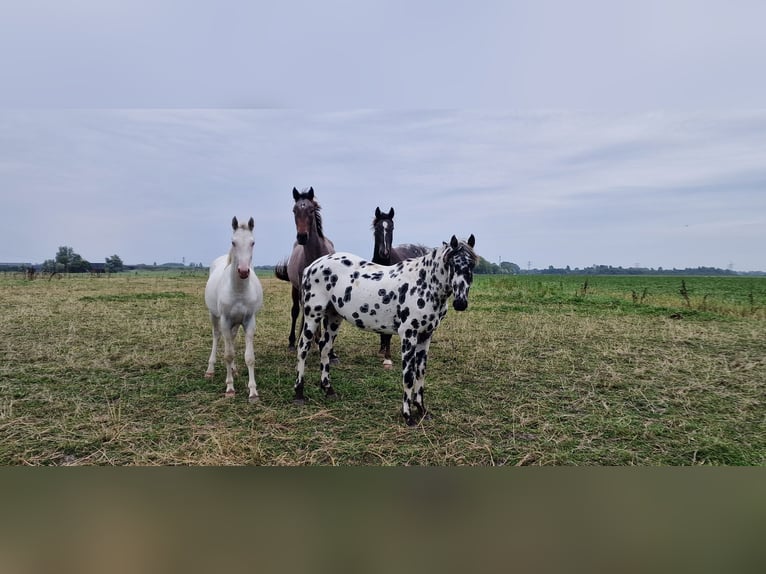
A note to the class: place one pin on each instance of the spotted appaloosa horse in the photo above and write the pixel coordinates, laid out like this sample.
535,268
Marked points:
233,296
409,299
309,245
385,254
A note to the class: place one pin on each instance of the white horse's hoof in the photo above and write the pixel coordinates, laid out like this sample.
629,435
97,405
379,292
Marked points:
229,394
209,375
388,364
254,400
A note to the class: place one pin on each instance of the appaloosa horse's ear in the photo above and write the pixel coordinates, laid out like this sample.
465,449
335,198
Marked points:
377,213
251,224
234,223
454,243
391,213
311,193
471,241
296,195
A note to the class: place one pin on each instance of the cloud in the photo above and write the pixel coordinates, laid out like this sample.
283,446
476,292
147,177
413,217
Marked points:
552,187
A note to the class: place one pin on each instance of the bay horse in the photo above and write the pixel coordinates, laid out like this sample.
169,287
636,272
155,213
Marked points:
233,295
409,299
385,254
309,245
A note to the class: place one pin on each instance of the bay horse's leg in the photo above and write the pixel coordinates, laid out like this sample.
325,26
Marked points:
249,329
228,354
310,327
216,335
332,322
385,351
294,312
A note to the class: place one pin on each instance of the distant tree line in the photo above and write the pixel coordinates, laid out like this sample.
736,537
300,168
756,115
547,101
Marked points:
484,267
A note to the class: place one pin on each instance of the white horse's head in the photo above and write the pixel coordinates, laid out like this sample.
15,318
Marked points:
242,242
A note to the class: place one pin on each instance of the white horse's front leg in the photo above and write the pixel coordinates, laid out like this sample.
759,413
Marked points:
216,334
228,356
250,360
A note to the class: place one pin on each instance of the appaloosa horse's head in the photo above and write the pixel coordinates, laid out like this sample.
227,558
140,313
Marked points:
460,259
307,215
383,231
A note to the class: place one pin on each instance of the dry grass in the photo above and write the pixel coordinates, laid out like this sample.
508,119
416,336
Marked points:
110,372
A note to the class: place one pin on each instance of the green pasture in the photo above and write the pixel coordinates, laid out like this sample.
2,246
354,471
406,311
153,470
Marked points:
540,370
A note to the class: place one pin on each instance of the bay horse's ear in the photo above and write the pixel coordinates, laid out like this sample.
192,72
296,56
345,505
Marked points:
251,224
471,241
391,213
377,213
296,195
454,243
311,193
234,223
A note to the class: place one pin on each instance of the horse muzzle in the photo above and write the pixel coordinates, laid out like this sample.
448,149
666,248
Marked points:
460,304
302,238
243,273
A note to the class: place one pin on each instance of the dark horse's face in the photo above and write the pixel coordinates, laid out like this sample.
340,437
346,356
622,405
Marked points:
383,230
461,260
305,212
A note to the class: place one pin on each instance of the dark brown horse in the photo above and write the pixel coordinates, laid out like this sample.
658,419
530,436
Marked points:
385,254
310,244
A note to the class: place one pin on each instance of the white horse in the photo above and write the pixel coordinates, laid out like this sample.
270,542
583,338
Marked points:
234,295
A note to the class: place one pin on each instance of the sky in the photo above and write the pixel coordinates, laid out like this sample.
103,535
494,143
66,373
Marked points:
557,133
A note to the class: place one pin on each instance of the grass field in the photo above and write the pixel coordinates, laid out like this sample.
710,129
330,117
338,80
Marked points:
540,370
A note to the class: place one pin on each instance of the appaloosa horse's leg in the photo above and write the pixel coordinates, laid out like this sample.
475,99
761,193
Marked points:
249,328
414,358
310,327
421,356
332,322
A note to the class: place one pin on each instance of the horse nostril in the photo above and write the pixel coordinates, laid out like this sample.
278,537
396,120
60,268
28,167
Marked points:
460,304
302,238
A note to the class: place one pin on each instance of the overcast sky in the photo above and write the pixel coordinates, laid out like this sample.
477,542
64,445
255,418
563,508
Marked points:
560,134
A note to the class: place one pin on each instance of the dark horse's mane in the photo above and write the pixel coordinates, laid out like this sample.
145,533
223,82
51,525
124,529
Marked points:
309,196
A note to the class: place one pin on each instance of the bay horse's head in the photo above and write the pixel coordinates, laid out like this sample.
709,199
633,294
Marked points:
307,215
383,231
460,259
242,242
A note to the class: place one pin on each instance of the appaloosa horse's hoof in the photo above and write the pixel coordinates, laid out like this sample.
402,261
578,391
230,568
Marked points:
388,364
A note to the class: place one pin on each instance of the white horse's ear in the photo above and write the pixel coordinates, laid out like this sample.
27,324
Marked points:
454,243
311,193
251,224
296,195
471,241
234,223
391,213
377,213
